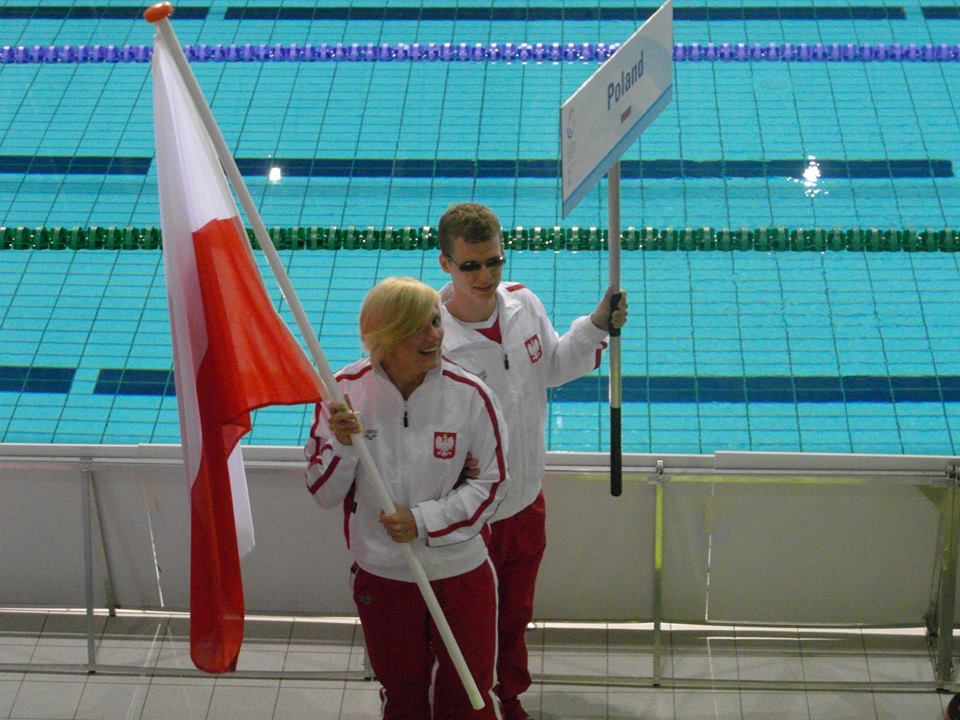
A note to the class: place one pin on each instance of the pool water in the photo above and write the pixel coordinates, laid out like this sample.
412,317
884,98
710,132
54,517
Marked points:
833,351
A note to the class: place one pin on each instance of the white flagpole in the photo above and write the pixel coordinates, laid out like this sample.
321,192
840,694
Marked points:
157,16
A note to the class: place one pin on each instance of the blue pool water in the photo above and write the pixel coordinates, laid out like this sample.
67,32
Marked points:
835,351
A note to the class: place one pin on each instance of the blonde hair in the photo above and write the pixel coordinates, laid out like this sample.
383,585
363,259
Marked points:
394,309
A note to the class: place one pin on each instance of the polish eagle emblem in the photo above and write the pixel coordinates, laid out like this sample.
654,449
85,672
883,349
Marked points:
534,350
444,445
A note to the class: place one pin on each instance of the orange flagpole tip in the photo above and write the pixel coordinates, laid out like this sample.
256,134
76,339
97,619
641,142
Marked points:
157,12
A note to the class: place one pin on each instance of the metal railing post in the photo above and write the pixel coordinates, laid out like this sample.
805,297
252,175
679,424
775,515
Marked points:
87,478
108,589
658,576
948,583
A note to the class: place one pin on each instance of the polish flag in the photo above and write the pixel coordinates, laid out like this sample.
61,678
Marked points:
232,354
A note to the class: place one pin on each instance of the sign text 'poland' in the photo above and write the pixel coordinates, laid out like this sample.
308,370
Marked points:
617,103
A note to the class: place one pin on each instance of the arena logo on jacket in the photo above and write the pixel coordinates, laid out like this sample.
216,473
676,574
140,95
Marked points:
534,350
444,445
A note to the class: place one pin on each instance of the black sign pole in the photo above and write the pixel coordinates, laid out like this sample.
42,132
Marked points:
613,260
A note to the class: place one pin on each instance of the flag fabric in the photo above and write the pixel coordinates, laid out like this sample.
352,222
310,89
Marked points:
232,354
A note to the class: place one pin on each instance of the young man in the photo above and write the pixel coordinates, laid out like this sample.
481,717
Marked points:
501,332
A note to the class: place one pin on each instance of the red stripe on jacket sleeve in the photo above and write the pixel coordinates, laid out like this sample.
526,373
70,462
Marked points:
603,346
318,451
501,462
328,471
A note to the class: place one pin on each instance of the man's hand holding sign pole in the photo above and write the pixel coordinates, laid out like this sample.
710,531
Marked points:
597,124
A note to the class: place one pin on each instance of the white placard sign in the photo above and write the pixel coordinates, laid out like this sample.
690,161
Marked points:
617,103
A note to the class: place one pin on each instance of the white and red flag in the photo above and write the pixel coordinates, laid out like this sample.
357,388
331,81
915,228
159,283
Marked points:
232,354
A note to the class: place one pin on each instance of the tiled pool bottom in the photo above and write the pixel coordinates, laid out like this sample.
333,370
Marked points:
822,352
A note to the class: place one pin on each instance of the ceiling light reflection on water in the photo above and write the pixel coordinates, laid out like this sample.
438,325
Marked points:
810,179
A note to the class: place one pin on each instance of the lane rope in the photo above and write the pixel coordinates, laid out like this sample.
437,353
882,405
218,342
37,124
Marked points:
492,52
556,238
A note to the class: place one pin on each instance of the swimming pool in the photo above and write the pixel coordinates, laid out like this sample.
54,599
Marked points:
832,350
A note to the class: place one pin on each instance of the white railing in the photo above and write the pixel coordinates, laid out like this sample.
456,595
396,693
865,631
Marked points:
731,538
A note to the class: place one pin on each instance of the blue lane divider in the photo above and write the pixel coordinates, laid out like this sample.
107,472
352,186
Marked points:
531,12
663,388
493,52
766,389
71,11
29,379
919,167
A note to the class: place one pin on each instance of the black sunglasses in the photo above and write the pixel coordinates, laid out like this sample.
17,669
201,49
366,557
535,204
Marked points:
471,266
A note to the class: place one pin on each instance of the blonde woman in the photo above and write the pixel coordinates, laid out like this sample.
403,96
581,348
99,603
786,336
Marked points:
421,416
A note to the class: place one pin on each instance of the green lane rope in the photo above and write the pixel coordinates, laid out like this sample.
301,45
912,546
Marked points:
760,239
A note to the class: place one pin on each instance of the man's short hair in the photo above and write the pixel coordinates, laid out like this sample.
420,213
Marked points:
393,310
474,222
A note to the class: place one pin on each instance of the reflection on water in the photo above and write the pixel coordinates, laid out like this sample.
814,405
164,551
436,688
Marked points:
810,179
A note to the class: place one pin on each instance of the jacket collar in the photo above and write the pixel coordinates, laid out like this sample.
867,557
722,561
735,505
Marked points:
507,305
430,377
